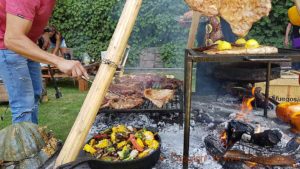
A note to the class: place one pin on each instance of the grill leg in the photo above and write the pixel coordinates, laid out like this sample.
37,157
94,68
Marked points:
187,108
267,89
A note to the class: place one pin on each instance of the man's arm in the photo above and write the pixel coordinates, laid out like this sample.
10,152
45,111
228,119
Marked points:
287,32
57,44
16,40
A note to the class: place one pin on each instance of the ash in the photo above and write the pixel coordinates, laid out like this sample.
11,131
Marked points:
209,115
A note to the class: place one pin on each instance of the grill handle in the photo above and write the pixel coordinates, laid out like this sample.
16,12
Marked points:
268,59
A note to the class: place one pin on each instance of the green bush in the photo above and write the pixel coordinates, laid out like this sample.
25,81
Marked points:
271,30
86,25
156,26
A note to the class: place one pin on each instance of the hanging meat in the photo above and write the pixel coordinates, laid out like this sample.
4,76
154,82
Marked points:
240,14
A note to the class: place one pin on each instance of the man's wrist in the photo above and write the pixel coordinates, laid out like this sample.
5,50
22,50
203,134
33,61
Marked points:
56,60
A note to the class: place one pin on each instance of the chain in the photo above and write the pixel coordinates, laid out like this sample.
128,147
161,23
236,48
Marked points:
110,63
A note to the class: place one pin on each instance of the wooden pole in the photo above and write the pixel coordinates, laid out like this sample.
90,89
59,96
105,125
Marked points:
93,101
193,29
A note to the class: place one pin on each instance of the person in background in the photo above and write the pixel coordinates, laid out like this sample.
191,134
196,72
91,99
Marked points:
292,33
57,43
21,24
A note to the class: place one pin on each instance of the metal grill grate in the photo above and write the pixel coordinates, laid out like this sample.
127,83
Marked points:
174,106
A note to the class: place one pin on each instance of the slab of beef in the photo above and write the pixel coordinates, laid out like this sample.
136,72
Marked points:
127,102
240,14
147,80
171,83
127,89
159,97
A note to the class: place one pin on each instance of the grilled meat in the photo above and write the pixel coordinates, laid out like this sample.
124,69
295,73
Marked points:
159,97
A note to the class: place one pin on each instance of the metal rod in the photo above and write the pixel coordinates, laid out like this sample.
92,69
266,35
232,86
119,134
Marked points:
188,73
267,89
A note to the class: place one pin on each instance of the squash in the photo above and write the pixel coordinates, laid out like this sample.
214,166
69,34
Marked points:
290,113
23,145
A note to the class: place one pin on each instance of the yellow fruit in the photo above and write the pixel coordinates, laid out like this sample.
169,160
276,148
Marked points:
218,41
103,144
121,144
140,142
89,149
294,16
252,44
224,46
240,41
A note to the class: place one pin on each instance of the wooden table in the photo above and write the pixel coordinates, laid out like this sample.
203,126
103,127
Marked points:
82,84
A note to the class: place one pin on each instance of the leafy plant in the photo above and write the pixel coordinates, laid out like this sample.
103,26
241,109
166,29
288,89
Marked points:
86,25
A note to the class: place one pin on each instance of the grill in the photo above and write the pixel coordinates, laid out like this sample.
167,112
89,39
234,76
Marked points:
174,106
192,56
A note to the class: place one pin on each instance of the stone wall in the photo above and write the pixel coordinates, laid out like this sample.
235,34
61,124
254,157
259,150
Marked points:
150,58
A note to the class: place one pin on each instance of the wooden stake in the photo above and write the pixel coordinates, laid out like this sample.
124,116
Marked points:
93,101
193,29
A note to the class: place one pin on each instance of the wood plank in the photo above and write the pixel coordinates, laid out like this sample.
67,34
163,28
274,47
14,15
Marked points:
93,101
193,29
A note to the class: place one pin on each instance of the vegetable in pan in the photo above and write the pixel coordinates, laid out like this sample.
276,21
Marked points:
122,143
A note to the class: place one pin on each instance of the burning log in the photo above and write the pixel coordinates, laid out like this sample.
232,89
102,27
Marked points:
249,92
247,152
240,131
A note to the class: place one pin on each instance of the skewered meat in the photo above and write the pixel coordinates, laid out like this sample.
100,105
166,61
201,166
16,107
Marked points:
126,89
159,97
240,14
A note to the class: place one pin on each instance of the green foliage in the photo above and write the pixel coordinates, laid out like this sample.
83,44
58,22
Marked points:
156,26
271,30
86,25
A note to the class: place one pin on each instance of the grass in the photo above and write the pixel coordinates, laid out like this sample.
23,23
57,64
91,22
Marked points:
57,114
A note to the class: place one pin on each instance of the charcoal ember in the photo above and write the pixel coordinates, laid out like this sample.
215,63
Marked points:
268,138
214,147
235,131
204,118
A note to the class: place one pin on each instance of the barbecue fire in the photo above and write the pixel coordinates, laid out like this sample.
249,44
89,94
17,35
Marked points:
246,108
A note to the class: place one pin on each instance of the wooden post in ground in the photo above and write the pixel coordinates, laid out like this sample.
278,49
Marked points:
93,101
193,29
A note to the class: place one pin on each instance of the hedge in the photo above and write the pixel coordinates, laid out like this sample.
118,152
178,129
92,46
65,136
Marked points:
88,26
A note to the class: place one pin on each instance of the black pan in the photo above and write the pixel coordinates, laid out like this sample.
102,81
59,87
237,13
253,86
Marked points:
85,161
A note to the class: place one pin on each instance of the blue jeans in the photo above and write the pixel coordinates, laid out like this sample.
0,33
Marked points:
23,82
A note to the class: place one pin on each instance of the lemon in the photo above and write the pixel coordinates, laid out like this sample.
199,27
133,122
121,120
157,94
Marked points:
252,44
240,41
218,41
224,46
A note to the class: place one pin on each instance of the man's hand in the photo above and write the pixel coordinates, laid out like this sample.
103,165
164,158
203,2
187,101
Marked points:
72,68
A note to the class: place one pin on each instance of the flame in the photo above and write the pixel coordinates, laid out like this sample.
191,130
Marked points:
224,138
251,164
246,108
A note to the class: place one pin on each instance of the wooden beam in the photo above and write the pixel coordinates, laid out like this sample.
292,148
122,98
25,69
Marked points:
93,101
193,29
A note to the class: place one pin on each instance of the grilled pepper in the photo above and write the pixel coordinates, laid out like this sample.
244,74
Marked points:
148,135
121,144
103,144
154,145
89,149
140,143
134,143
124,153
92,142
144,153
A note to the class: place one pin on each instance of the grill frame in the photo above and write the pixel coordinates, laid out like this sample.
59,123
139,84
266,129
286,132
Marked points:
152,109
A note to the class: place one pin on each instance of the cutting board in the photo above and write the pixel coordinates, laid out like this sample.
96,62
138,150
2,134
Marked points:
242,50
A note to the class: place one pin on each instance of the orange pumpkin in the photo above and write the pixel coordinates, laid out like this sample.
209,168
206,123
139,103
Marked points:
294,16
290,113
